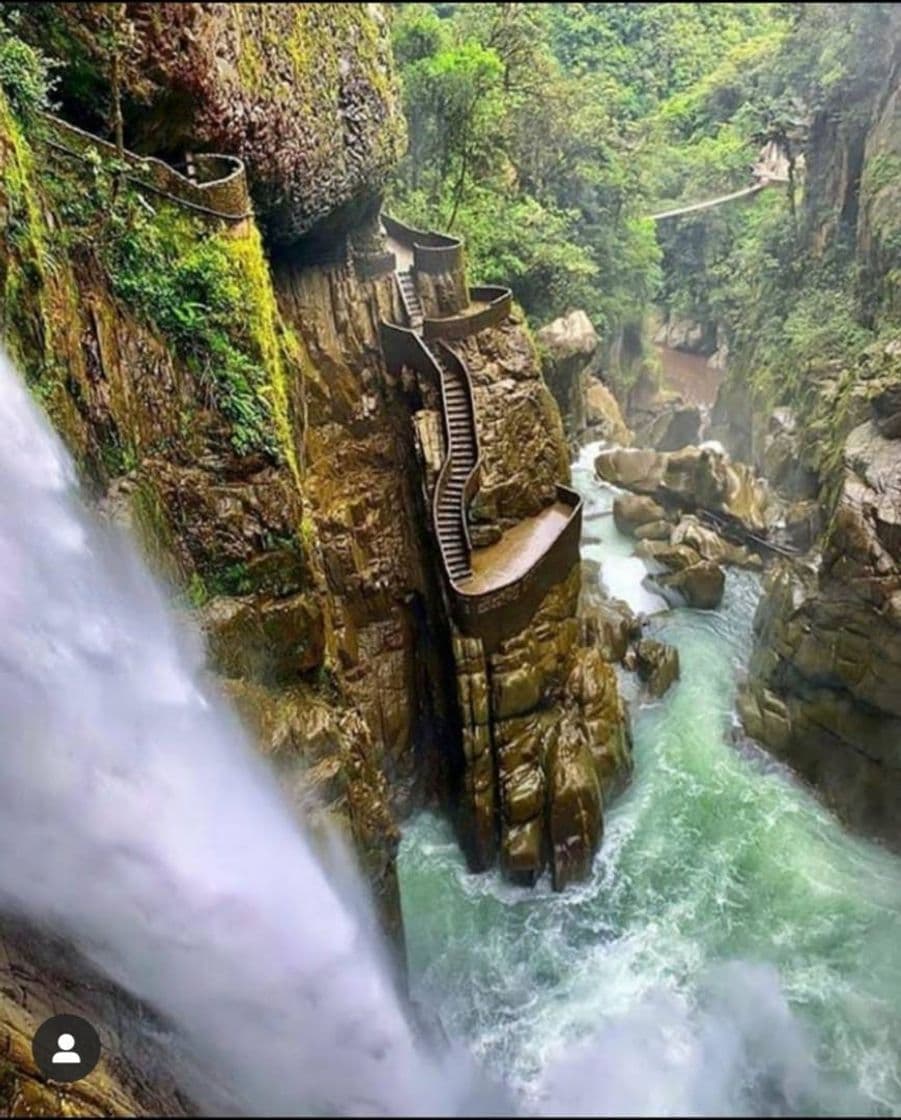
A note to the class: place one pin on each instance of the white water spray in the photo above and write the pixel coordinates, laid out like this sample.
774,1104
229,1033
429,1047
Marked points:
136,820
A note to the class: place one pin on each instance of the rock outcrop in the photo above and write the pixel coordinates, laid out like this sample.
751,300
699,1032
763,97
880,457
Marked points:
657,664
570,347
304,93
824,679
544,730
693,478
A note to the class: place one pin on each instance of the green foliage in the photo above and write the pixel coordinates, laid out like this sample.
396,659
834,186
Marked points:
190,288
25,74
538,131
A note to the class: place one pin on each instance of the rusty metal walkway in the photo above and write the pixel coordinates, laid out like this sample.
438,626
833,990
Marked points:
494,590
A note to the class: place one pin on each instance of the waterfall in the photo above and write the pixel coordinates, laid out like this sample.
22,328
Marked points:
136,821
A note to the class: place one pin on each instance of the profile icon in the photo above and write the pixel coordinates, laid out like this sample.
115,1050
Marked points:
66,1054
65,1048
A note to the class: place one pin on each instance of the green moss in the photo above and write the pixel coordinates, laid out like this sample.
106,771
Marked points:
196,594
880,170
274,346
38,300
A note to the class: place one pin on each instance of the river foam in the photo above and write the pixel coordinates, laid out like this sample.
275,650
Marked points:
735,951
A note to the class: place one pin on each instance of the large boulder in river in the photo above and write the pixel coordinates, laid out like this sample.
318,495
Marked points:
657,664
700,585
695,477
709,545
304,93
631,511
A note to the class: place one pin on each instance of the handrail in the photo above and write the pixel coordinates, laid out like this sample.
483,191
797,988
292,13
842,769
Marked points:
473,479
462,325
433,252
410,235
505,609
404,346
227,190
404,302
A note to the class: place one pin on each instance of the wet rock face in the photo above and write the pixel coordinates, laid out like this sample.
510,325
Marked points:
570,347
544,729
40,978
521,439
657,664
662,418
304,93
561,748
824,687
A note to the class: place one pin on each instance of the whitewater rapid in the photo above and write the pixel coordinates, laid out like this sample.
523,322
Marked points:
136,819
734,952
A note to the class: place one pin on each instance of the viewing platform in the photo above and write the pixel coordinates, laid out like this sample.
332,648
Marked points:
495,590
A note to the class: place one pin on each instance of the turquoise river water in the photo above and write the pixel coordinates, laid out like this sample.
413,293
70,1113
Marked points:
735,950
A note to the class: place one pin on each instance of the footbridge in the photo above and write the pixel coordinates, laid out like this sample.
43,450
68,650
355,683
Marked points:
771,169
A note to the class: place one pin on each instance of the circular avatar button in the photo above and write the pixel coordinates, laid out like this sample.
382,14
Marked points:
65,1048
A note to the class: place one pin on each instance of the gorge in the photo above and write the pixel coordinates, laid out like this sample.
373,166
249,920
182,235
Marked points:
548,559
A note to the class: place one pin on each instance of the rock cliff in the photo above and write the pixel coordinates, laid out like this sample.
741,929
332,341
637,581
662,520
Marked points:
232,406
824,683
304,93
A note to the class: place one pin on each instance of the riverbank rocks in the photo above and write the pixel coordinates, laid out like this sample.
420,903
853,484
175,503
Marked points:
609,624
709,545
657,665
823,689
695,477
632,511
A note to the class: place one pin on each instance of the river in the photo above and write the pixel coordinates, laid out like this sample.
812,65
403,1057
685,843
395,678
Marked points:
690,375
735,950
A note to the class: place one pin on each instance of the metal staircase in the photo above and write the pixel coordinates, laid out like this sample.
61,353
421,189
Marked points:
450,501
410,297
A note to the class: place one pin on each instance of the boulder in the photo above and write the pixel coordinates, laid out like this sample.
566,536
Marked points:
709,545
630,511
569,346
608,624
657,664
675,557
700,585
654,531
602,412
695,477
569,342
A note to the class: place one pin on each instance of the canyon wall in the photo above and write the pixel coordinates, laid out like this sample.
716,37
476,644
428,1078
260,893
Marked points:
825,680
221,387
